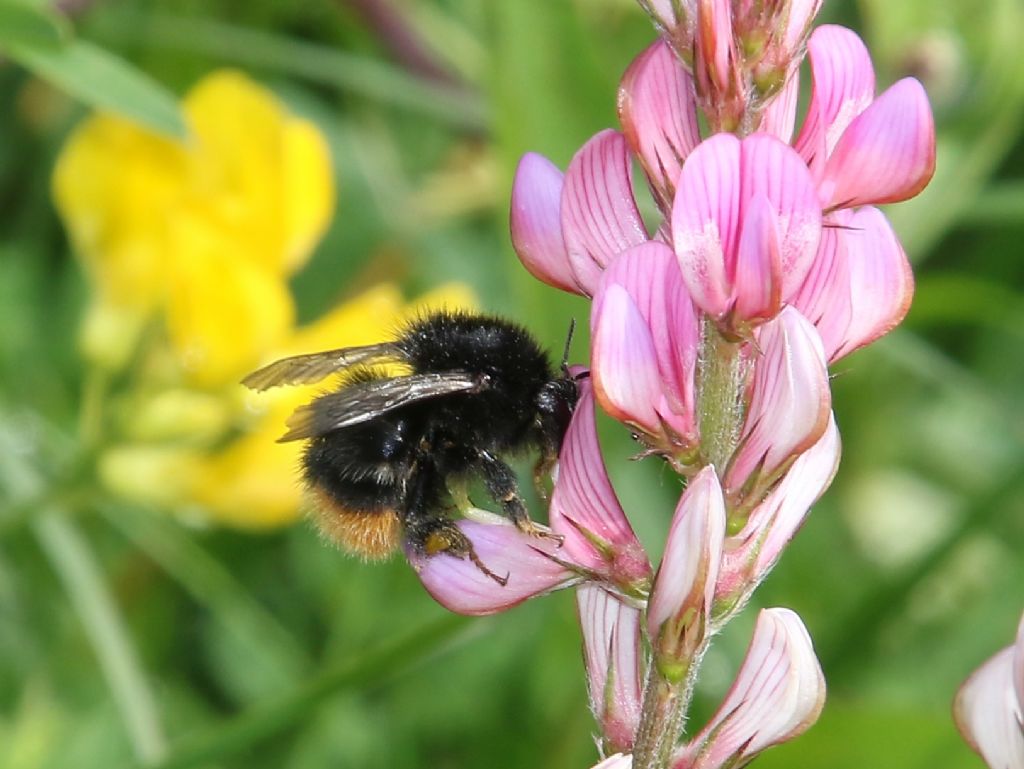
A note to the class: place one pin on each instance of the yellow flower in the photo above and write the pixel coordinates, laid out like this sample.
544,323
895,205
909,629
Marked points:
201,237
203,230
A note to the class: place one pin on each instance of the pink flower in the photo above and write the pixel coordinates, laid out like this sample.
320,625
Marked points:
862,149
989,707
679,610
752,552
777,695
598,539
745,226
645,335
566,229
613,659
528,564
861,283
658,113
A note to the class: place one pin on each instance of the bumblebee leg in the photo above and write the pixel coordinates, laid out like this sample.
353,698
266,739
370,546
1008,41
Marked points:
542,471
430,533
440,535
502,484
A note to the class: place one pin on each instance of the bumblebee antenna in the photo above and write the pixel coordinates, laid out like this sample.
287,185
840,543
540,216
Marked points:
568,344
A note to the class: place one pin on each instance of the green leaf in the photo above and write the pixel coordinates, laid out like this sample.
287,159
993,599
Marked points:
24,24
103,81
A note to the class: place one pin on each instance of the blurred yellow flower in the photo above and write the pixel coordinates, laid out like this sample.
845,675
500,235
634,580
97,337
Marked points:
203,230
202,236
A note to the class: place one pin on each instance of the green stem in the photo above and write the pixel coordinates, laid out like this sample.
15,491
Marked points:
719,396
665,707
75,565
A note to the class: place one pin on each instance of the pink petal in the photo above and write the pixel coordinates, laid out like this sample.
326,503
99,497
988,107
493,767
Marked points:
650,275
713,46
460,586
887,153
619,760
801,16
612,656
624,363
599,214
535,221
989,715
685,584
585,510
790,400
861,285
843,85
1018,665
773,169
778,694
658,112
758,266
706,221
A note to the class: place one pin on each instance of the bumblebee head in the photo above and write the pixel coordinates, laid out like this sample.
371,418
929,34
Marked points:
555,404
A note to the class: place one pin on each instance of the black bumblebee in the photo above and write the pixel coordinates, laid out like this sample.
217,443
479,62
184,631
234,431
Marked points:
387,453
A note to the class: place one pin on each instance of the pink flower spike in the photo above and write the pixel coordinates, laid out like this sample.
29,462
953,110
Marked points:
716,192
680,604
861,284
887,154
843,85
777,695
789,404
535,222
988,709
658,112
612,656
461,586
599,214
585,510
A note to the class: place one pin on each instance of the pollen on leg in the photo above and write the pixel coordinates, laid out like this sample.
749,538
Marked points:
371,534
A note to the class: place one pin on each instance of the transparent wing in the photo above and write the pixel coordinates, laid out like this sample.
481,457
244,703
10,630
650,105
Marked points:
362,401
306,369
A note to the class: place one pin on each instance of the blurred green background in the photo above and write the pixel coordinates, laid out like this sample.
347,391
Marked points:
129,638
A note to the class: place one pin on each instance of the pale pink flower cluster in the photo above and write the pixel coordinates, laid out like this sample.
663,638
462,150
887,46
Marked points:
989,708
711,332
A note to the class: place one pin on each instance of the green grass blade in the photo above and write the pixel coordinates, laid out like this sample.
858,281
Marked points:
103,81
316,63
73,561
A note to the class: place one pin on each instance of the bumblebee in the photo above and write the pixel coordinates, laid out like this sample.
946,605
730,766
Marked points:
387,455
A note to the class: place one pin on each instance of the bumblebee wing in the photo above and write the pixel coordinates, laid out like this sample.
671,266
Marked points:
363,401
306,369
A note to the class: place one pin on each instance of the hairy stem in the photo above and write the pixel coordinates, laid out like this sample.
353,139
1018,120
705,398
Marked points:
719,396
667,695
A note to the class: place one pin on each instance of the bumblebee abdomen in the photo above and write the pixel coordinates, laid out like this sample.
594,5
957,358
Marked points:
372,534
356,477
